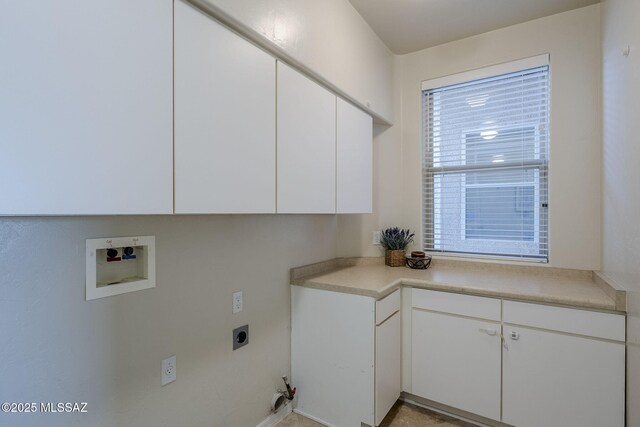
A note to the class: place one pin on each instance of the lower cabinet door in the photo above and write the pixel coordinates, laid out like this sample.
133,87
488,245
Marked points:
387,372
552,379
456,362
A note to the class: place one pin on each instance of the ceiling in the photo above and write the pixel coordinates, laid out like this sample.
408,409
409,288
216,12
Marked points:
410,25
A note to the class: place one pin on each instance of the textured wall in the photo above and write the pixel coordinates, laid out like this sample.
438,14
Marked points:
327,36
573,41
620,174
55,346
355,231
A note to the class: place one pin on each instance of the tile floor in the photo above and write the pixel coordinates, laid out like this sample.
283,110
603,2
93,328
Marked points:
401,415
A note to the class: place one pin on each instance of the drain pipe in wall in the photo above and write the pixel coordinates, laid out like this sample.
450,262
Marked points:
280,396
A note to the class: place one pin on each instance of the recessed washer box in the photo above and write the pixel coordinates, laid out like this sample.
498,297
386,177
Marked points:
116,265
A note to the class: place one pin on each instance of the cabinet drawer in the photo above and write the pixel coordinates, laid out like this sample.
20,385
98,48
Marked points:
581,322
387,306
464,305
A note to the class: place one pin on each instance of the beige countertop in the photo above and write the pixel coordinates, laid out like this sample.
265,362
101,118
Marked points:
370,277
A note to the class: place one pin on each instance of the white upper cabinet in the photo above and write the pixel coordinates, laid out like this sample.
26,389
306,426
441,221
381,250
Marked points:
86,107
225,118
306,145
354,159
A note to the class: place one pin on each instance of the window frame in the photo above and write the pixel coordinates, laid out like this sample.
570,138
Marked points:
540,167
535,184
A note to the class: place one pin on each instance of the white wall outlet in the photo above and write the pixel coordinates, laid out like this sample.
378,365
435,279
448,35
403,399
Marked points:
376,238
237,302
169,370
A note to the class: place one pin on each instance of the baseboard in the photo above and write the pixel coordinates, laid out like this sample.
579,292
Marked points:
276,417
311,417
450,411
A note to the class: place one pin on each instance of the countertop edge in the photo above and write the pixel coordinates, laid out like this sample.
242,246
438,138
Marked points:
388,289
617,296
612,289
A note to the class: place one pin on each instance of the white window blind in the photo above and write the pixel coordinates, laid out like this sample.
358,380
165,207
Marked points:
486,166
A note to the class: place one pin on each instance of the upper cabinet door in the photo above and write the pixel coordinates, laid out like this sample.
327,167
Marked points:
86,107
225,119
306,145
354,159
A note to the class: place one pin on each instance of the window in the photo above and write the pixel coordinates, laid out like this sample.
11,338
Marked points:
486,145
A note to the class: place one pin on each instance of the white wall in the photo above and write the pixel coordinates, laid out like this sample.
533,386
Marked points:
573,41
54,346
327,36
621,174
355,231
57,347
332,39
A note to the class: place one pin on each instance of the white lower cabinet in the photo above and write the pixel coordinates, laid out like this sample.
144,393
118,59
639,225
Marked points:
556,367
388,375
455,359
552,378
521,364
344,362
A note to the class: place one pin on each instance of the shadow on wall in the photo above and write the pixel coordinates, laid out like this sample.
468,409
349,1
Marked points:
57,347
355,231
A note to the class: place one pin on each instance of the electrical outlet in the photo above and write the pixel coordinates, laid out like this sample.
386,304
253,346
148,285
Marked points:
240,337
169,370
376,238
237,302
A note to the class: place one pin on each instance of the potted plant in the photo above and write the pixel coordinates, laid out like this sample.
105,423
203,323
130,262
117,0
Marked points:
395,241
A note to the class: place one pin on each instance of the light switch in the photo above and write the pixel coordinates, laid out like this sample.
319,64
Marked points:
376,238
